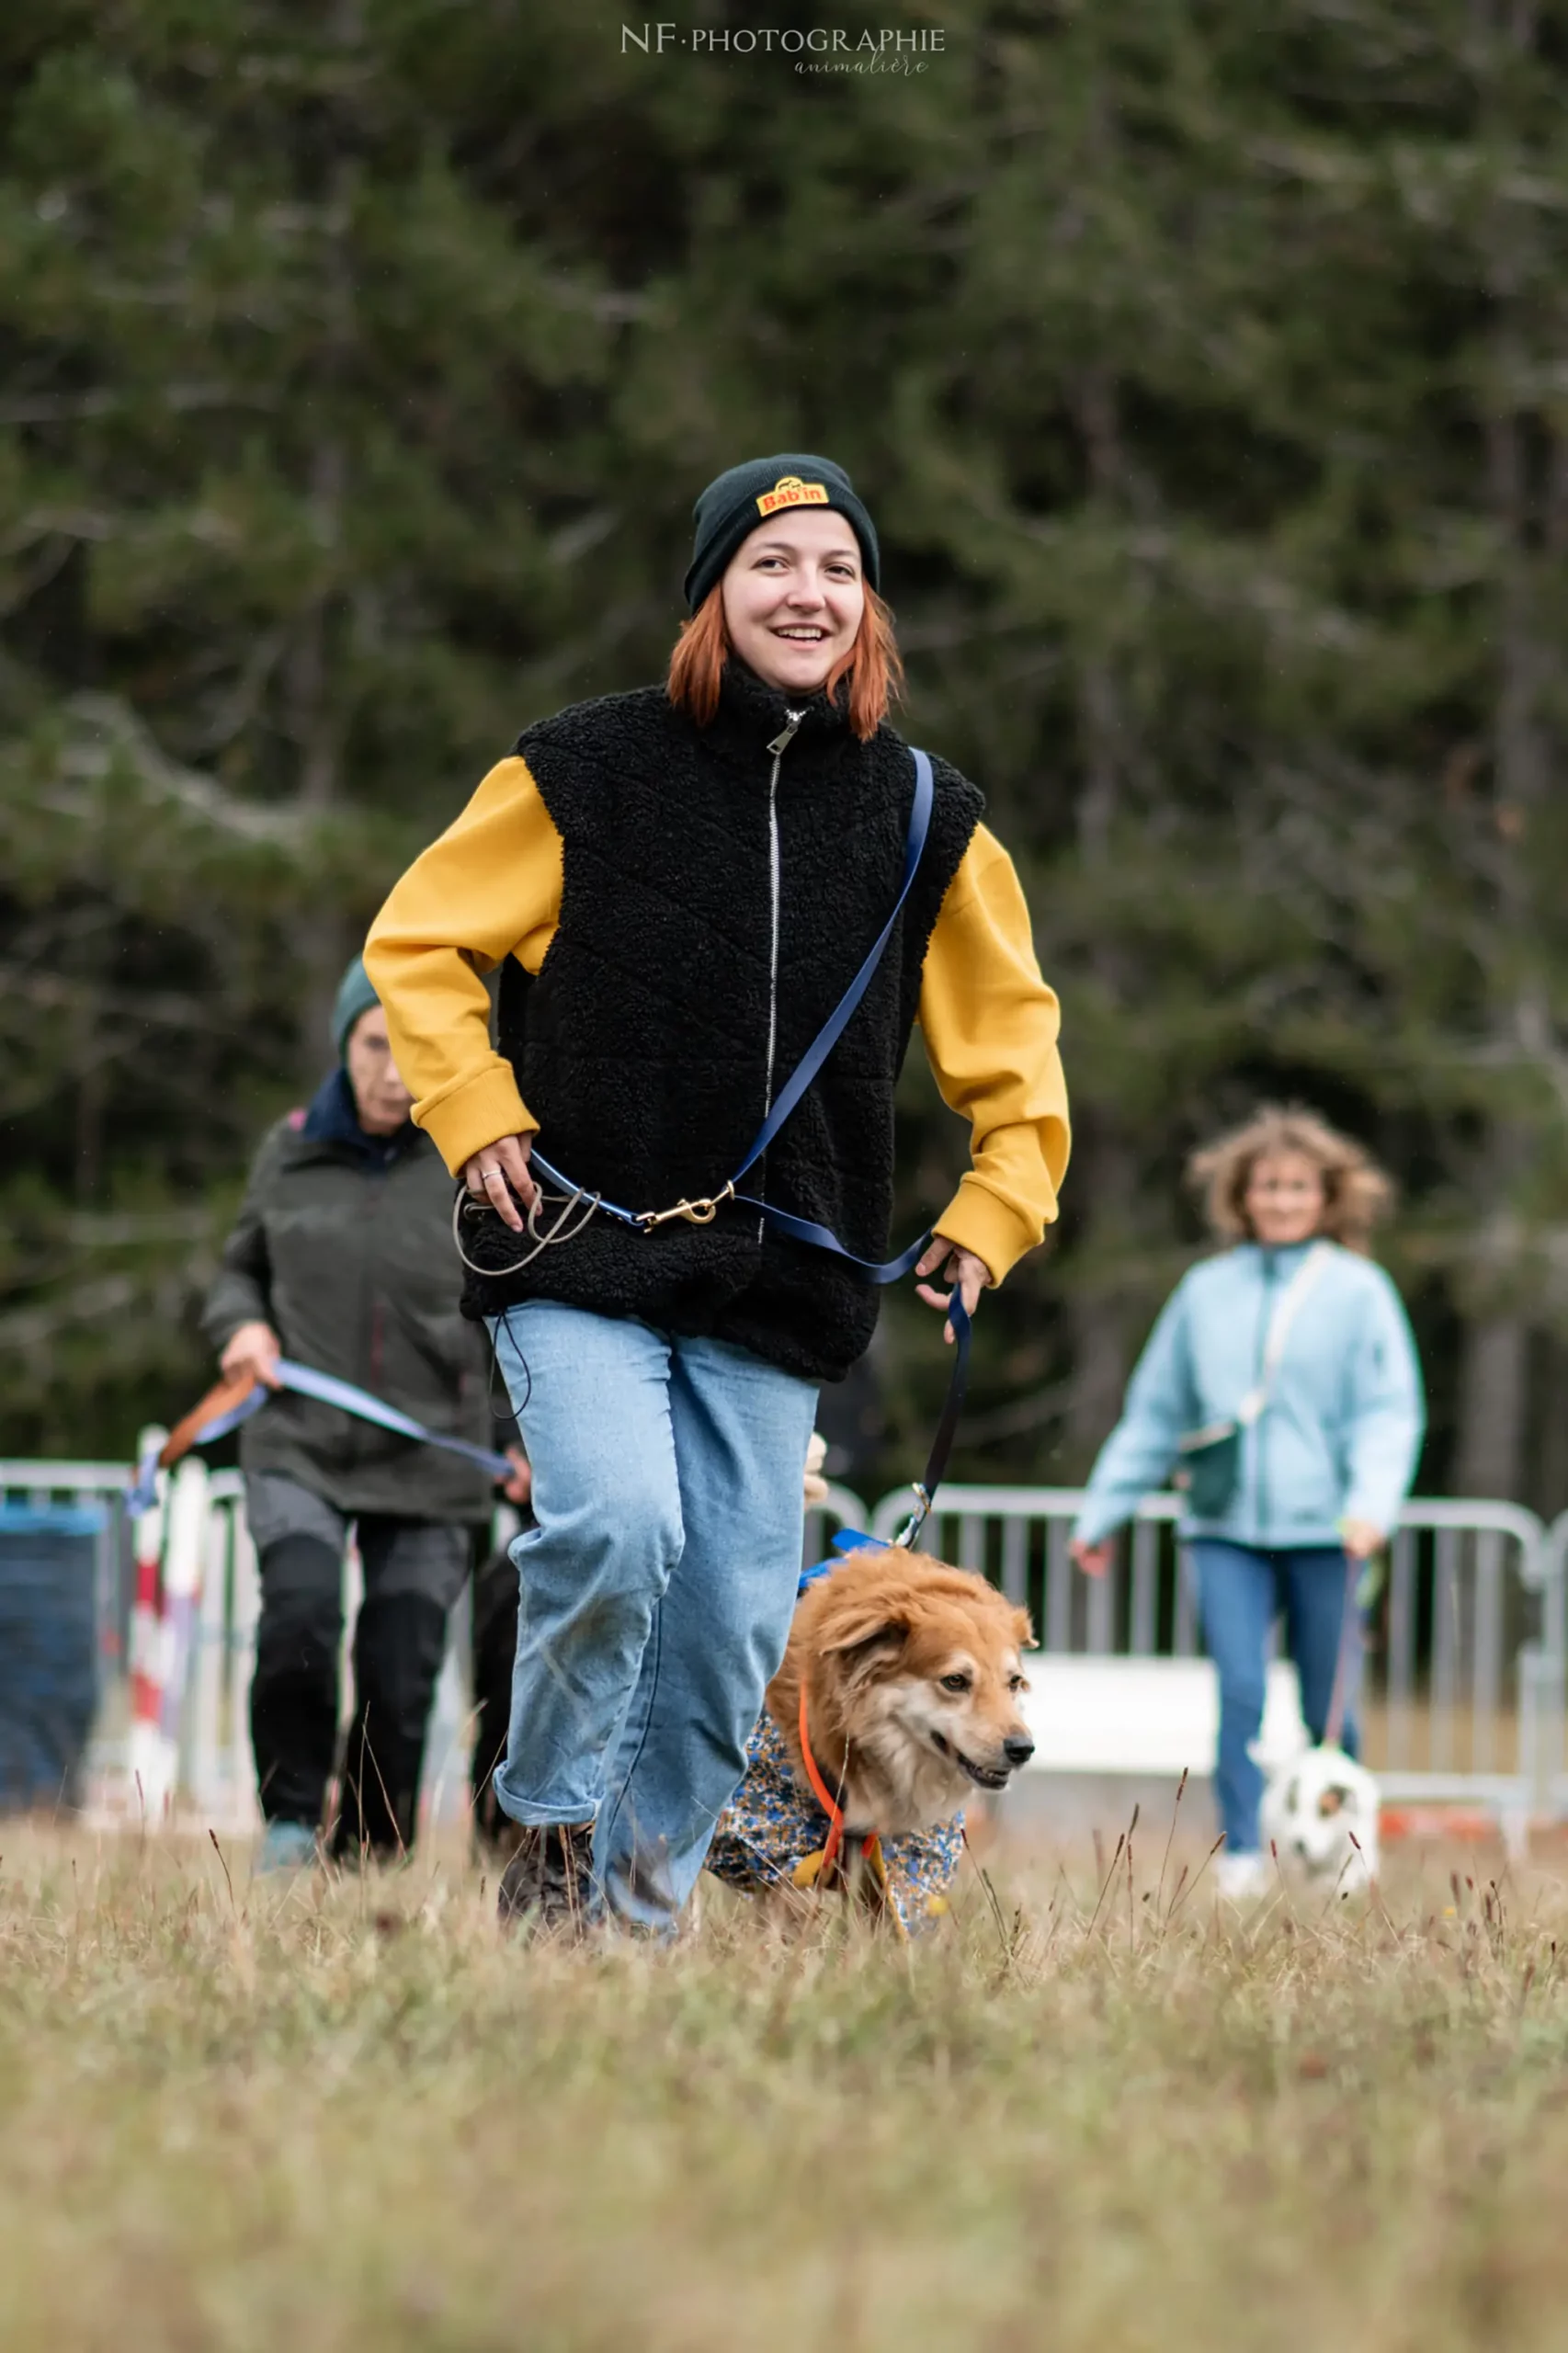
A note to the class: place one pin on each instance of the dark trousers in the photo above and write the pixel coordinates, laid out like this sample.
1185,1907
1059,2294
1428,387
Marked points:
495,1588
413,1570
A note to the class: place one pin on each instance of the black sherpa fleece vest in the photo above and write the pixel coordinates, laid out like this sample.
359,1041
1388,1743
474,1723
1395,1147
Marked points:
704,938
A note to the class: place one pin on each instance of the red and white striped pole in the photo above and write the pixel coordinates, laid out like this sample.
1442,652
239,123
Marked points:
146,1660
170,1550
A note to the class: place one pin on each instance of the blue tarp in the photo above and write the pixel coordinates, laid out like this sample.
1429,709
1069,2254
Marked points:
48,1649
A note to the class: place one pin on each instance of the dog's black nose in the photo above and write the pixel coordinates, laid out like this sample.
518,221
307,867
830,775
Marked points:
1018,1749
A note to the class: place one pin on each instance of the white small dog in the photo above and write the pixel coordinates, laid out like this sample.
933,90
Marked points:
1320,1813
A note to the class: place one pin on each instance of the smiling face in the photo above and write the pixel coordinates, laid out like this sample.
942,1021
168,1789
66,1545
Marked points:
793,598
1284,1200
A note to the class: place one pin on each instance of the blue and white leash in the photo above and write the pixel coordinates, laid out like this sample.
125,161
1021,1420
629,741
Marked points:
327,1390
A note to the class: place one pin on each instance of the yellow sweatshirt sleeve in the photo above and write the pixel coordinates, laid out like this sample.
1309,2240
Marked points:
990,1025
489,888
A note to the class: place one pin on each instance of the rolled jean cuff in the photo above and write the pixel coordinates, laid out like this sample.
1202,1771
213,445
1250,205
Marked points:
530,1815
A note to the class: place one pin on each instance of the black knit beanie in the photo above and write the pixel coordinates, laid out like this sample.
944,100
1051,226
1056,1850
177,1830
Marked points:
731,508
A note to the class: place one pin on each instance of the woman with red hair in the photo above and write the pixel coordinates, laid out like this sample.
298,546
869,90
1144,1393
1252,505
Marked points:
678,885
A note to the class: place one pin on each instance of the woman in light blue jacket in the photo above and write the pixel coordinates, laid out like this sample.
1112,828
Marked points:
1283,1374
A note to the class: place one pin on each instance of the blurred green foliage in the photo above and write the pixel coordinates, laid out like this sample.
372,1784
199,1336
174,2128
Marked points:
1206,368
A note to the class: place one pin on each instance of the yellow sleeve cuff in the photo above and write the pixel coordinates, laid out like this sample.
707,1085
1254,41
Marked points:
474,1113
980,1220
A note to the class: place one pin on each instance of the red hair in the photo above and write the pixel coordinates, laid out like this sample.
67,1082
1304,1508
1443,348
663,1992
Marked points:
873,665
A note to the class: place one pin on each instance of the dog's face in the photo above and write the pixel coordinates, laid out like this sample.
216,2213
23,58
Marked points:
1321,1813
928,1680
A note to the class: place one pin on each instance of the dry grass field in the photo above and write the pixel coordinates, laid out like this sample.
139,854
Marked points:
335,2116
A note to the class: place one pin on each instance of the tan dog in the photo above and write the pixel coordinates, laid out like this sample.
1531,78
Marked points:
912,1678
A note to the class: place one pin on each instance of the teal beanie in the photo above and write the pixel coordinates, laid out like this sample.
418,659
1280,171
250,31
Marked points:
355,996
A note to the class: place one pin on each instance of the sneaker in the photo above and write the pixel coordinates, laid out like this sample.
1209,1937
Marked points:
1243,1879
548,1881
286,1846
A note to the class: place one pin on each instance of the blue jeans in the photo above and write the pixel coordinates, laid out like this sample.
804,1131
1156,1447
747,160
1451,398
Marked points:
1239,1592
656,1589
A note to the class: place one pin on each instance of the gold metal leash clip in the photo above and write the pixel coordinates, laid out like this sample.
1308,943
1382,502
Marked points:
699,1212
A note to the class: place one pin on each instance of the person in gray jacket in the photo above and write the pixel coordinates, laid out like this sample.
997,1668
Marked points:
1282,1377
341,1258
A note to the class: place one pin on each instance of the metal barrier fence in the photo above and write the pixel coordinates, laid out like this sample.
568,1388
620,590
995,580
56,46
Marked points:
86,1484
1555,1763
1464,1695
841,1509
170,1643
1465,1699
100,1486
178,1601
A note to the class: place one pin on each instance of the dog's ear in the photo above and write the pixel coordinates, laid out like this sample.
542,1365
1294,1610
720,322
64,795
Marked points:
875,1628
1023,1630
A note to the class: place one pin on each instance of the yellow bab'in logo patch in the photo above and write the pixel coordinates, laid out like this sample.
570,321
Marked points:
790,490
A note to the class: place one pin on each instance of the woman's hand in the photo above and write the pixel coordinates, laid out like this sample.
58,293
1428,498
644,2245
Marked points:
1361,1538
1093,1559
961,1268
255,1348
519,1486
500,1166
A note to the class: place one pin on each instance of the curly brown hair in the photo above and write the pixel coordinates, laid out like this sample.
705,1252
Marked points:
1356,1191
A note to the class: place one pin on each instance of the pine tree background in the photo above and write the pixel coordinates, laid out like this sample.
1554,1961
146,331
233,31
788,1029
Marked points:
1206,368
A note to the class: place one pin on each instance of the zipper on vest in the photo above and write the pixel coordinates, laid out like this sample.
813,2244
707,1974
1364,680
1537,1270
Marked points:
778,747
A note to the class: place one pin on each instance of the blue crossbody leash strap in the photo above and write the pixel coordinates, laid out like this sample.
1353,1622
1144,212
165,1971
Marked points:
833,1028
799,1229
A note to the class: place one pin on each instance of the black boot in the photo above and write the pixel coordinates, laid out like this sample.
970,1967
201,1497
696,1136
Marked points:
547,1882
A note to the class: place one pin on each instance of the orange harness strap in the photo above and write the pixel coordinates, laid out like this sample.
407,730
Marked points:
871,1847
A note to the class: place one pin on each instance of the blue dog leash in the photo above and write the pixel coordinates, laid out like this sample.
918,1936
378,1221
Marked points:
327,1390
855,1539
702,1212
